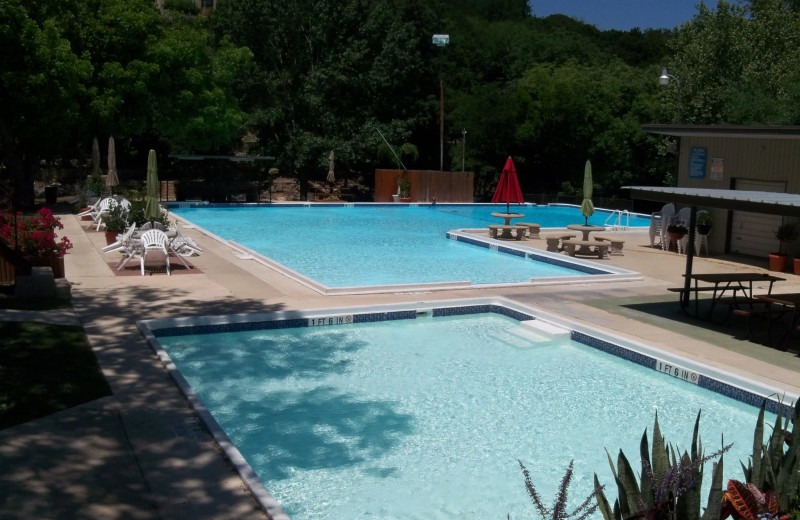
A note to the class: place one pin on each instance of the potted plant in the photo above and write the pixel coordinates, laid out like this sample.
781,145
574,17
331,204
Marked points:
677,228
115,221
404,189
704,222
785,233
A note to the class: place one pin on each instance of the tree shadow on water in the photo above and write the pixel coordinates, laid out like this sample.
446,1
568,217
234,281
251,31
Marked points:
315,429
268,357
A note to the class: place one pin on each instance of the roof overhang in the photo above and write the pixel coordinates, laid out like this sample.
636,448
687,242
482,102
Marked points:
233,158
785,204
729,131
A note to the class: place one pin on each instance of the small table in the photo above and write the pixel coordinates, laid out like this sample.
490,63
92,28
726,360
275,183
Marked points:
506,233
791,300
507,217
586,230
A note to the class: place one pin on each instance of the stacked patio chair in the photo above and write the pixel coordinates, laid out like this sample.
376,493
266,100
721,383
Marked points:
658,225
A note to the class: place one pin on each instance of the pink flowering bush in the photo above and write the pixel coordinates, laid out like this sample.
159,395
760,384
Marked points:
34,236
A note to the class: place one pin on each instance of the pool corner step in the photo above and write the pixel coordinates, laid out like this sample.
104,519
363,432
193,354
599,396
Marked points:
548,329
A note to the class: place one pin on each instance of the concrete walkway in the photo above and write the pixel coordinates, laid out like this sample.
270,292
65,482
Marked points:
141,452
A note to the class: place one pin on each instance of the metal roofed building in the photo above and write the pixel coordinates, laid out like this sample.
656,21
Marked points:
757,162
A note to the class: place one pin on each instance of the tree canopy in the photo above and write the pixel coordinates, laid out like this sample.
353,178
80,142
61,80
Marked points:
304,77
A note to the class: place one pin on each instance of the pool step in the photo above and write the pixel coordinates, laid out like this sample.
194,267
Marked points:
530,332
545,328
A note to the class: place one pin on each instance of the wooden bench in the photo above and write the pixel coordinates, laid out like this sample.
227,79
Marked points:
585,247
505,231
533,229
765,312
616,244
554,241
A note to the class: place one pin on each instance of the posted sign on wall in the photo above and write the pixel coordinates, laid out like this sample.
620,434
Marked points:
697,162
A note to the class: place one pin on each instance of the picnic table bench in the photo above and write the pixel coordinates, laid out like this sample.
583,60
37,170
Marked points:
555,240
505,231
614,242
585,247
533,229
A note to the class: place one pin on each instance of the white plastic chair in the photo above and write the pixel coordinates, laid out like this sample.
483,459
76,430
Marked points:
660,224
683,216
699,240
122,239
154,240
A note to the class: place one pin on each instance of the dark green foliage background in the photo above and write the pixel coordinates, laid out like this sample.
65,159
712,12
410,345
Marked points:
302,77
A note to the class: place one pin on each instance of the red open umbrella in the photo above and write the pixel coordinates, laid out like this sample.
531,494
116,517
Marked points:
508,188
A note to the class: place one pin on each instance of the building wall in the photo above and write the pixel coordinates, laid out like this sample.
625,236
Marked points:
732,159
773,160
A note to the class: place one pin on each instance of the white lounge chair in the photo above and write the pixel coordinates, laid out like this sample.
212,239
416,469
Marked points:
183,245
103,206
122,240
657,223
90,210
154,240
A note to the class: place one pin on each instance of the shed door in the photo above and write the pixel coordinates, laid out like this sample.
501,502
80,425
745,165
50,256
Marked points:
754,233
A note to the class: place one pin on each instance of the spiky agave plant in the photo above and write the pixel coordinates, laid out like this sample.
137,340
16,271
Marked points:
559,509
669,489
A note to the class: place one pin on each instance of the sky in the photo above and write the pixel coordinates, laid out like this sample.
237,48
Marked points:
622,14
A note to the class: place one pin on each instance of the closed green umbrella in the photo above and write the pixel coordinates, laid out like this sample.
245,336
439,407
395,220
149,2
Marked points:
587,208
151,210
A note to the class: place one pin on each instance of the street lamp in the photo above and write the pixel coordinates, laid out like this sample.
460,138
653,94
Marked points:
463,146
663,80
440,40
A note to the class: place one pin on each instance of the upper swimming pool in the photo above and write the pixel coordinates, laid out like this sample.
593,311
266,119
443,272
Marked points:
370,245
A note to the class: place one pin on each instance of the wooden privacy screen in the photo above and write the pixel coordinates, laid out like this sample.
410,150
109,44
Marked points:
425,185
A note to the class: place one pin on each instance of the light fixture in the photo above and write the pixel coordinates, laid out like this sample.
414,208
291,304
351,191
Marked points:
664,80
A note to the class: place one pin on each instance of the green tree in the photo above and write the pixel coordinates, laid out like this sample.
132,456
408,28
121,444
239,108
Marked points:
327,74
42,86
739,64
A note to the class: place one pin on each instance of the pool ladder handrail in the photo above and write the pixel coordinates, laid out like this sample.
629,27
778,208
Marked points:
617,226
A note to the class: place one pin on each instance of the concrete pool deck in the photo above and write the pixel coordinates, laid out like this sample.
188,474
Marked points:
140,453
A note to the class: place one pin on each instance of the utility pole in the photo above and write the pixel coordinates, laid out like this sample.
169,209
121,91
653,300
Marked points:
440,40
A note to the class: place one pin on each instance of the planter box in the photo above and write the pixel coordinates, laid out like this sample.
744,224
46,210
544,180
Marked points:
56,263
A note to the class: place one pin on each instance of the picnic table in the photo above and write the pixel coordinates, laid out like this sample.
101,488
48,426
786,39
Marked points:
585,246
506,228
787,302
733,289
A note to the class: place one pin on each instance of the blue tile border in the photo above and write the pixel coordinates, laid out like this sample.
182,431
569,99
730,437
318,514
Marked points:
709,383
533,254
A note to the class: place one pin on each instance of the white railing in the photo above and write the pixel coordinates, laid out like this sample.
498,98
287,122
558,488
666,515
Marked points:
616,220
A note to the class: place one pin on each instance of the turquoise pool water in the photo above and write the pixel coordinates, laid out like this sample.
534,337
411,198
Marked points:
426,418
369,245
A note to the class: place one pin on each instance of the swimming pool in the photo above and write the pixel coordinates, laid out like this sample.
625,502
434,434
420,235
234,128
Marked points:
375,246
421,410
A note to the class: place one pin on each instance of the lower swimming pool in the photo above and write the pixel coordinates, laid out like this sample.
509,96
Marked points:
373,245
422,411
